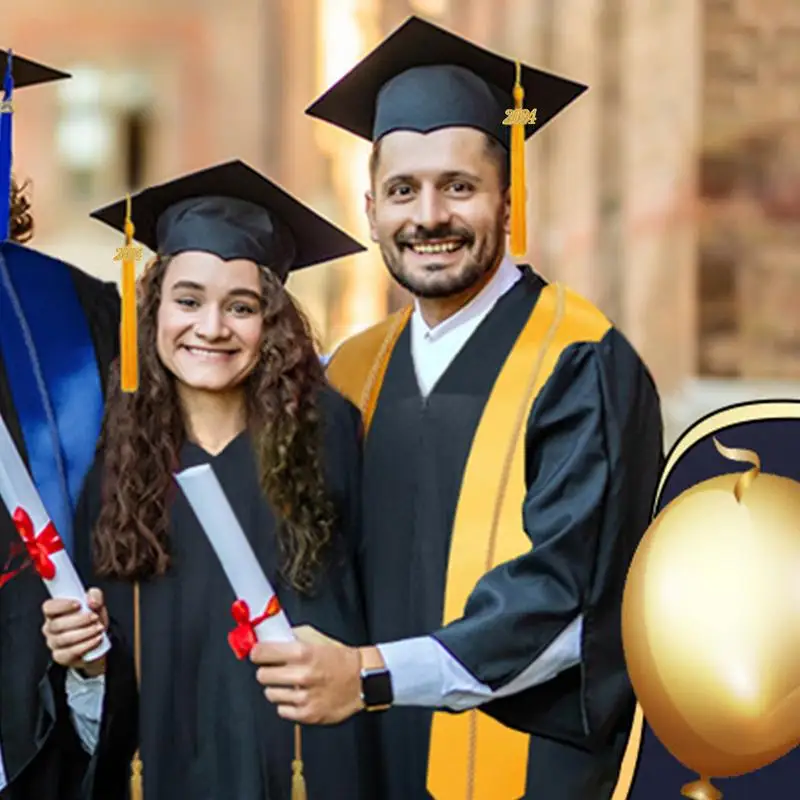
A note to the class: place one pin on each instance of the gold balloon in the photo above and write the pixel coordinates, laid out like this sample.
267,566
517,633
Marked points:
711,624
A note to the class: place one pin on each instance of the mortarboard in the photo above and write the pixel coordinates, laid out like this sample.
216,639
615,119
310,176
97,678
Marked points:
229,210
30,73
423,78
18,73
232,211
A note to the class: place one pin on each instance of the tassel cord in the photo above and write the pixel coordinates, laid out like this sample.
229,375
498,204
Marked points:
299,791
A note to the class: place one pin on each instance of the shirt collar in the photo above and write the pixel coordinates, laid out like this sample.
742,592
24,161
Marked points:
506,276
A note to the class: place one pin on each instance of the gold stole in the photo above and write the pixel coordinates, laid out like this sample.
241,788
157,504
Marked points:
472,756
358,367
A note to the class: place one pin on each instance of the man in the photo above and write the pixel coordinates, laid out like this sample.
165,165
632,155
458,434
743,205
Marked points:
501,412
59,334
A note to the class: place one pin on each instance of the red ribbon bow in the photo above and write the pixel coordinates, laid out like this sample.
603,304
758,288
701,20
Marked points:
242,638
40,546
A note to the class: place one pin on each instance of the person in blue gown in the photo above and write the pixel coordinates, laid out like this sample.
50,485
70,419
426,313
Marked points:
58,338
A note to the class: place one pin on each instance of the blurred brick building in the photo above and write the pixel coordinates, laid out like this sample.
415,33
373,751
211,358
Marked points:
669,194
749,255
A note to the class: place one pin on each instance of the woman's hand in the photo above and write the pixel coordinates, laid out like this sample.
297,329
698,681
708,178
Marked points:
71,633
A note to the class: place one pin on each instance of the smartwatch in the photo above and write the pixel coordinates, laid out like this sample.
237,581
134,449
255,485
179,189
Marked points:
376,687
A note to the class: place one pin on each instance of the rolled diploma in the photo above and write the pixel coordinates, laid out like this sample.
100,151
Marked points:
18,491
212,509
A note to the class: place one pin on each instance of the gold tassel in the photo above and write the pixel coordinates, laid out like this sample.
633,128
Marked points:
518,244
137,791
128,344
137,787
298,781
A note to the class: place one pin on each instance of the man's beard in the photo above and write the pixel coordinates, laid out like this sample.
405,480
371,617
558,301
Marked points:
446,282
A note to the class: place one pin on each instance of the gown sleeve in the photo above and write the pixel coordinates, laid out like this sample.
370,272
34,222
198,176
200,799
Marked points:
348,449
109,768
593,458
343,460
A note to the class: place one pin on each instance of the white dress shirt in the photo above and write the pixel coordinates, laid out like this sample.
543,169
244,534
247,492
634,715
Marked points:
433,349
85,698
423,672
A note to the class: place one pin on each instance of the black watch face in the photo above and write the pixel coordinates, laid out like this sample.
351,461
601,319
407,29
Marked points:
377,689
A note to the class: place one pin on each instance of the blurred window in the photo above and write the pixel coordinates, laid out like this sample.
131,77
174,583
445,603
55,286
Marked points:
104,126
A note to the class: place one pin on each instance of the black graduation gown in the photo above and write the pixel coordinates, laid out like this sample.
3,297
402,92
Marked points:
42,755
206,730
593,456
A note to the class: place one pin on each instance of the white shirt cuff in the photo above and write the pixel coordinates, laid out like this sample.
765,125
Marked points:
425,674
85,699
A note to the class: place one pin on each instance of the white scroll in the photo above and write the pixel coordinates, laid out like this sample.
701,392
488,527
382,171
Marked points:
37,531
214,512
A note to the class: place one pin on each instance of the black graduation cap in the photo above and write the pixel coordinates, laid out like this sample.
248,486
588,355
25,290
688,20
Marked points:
423,78
232,211
30,73
24,72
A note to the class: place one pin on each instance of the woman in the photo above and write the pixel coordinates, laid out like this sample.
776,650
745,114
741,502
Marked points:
228,376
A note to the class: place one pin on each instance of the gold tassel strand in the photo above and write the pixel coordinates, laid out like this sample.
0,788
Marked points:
137,792
128,344
137,767
298,780
518,243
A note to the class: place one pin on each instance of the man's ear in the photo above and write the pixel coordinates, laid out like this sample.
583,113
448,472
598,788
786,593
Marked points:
369,208
507,212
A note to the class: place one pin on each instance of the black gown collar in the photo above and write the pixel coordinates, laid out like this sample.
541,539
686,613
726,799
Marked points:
479,353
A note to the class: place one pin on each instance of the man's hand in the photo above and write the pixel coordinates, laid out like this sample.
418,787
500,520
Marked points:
314,681
71,633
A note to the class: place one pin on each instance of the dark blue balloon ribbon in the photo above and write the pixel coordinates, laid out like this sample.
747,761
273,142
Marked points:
52,369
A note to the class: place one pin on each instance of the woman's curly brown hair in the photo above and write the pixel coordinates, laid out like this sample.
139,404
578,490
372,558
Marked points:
21,229
143,434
